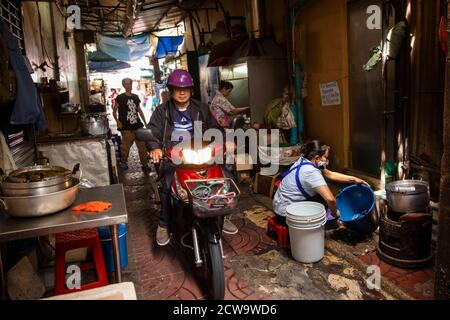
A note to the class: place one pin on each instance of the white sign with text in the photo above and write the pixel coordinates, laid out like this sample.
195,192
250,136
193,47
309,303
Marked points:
331,96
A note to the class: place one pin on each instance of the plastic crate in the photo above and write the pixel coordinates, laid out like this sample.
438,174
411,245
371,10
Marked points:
213,197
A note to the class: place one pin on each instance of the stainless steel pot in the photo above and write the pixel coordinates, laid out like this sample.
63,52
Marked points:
94,124
408,196
40,205
38,180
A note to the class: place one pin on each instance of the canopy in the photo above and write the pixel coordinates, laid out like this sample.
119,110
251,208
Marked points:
168,45
106,66
125,49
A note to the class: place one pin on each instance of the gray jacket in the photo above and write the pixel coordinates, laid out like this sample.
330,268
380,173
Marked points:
161,123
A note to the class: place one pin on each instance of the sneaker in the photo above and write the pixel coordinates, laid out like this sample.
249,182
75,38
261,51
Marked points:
229,227
123,165
162,236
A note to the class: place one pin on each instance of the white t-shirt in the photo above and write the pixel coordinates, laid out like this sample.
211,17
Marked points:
288,192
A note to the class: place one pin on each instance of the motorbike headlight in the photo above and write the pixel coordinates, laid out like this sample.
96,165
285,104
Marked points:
201,156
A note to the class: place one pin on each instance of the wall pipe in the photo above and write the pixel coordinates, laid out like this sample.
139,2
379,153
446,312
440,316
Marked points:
298,75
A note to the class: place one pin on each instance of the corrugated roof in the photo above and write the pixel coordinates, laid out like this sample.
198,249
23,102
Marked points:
129,17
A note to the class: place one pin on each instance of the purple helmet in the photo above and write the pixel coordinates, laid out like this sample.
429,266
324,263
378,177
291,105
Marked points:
181,79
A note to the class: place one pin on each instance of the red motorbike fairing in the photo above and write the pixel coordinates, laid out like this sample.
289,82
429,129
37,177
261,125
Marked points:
214,172
179,189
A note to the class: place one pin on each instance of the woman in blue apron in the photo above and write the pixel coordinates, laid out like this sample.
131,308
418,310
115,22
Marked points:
305,181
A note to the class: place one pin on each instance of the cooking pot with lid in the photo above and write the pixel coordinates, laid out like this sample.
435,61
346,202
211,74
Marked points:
38,180
94,124
407,196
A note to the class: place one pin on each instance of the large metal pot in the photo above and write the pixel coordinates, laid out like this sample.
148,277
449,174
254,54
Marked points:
37,180
94,124
40,205
408,196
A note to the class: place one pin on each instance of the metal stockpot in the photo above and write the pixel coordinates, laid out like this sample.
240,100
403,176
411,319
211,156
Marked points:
94,124
38,180
40,205
408,196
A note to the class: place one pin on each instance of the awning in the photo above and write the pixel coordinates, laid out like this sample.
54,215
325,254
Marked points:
167,45
99,55
106,66
125,49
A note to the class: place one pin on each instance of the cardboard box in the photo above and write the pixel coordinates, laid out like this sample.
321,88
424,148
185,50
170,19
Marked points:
244,162
264,185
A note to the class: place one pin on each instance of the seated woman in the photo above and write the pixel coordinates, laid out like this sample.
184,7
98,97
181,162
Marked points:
305,181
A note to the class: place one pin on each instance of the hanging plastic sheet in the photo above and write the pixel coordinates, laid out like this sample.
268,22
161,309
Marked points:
106,66
125,49
168,45
99,55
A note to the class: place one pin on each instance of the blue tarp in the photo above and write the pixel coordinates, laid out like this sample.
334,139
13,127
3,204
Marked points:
125,49
168,45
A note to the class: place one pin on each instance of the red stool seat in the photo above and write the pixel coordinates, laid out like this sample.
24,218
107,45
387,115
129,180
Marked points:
74,240
280,231
277,183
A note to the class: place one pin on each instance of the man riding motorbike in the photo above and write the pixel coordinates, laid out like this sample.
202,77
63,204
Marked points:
171,123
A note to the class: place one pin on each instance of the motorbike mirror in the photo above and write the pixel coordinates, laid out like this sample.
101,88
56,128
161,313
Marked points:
143,134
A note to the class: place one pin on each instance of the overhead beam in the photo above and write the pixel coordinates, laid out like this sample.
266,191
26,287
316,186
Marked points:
160,18
159,5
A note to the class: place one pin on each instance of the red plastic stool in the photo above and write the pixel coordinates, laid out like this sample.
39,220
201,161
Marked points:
75,240
282,232
277,183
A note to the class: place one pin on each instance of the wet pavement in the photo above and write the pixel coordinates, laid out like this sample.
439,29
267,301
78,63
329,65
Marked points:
255,267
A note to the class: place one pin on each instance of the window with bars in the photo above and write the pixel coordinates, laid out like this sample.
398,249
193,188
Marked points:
11,14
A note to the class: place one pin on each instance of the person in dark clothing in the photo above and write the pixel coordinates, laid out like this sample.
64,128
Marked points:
126,111
170,123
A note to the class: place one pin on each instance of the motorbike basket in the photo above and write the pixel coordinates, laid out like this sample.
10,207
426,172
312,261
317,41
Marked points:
212,197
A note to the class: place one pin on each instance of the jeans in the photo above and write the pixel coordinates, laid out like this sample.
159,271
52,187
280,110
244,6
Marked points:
164,216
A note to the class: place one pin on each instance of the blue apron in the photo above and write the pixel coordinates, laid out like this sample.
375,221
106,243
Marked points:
297,177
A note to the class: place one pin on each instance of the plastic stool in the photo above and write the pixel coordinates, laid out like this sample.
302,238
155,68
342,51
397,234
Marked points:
282,232
277,183
75,240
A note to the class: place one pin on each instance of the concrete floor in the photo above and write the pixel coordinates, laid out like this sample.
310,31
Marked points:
255,267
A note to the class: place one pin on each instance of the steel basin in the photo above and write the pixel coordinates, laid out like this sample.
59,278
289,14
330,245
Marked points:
40,205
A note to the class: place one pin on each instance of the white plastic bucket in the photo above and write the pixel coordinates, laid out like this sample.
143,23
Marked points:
306,221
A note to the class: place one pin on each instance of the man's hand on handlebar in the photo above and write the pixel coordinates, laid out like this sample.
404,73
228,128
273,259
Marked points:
156,155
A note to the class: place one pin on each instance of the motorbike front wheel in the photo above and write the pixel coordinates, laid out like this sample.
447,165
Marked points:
213,270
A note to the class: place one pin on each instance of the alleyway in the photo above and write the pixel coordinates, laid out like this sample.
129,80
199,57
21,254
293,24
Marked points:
256,268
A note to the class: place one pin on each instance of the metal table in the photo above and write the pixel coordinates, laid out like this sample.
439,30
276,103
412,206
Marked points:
67,220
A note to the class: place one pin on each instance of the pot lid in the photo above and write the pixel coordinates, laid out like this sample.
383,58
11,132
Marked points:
37,174
408,187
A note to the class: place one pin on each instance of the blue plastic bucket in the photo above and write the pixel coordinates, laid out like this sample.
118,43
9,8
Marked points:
105,238
356,205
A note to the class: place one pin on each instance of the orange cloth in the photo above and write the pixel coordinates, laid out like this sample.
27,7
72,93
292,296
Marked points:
93,206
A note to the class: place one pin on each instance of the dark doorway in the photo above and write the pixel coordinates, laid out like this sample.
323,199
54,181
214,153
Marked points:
366,91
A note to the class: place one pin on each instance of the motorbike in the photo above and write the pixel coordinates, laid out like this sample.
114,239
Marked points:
201,196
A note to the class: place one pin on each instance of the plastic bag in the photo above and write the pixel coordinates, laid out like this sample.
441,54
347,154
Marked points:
375,58
286,119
